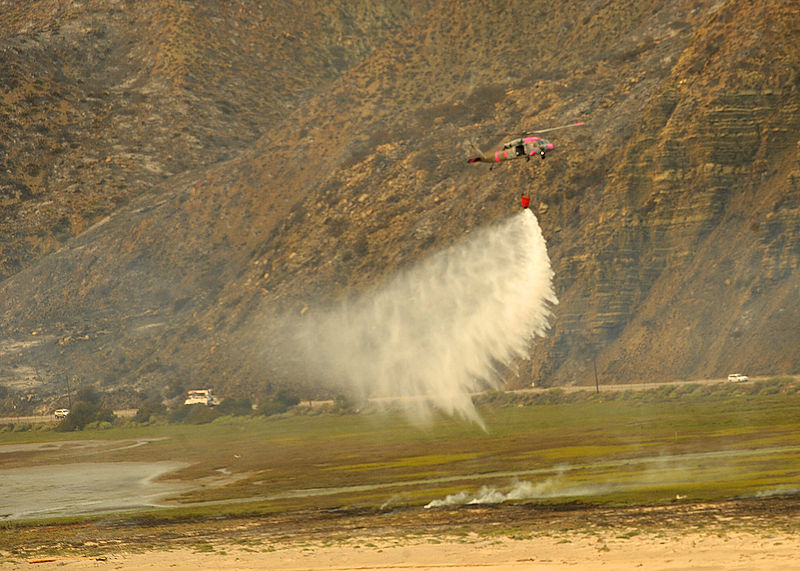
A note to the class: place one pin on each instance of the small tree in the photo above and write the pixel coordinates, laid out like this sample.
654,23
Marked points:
281,402
84,413
88,394
343,404
149,409
285,397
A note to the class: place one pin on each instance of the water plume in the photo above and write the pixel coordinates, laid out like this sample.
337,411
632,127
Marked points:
438,331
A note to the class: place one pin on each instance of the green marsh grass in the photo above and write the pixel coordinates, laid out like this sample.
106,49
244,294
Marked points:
698,442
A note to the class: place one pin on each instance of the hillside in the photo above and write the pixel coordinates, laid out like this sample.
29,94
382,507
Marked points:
172,178
103,101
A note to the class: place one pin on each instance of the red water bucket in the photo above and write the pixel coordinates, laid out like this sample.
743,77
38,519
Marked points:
525,201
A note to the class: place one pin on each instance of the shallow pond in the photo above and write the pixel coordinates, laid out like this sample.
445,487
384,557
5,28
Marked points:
61,489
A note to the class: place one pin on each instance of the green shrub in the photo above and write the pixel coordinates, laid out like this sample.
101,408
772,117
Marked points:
235,407
193,414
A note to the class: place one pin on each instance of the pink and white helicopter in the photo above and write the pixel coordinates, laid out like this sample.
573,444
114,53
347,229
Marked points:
526,146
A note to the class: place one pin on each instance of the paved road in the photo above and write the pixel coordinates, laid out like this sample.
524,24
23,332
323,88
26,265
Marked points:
124,413
642,386
627,387
127,413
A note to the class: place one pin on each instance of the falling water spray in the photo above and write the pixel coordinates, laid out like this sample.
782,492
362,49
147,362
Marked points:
437,331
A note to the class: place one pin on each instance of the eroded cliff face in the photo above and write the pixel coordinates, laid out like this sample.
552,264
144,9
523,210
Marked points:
672,218
693,235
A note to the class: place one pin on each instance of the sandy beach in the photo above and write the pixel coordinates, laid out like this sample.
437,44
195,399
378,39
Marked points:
652,551
735,535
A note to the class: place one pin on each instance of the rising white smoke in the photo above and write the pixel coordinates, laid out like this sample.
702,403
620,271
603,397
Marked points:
553,487
437,331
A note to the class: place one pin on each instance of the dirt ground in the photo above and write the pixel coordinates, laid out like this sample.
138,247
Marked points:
741,534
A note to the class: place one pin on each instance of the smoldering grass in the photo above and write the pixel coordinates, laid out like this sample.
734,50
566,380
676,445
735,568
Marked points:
757,437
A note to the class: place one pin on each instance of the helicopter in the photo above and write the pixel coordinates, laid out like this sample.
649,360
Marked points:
527,146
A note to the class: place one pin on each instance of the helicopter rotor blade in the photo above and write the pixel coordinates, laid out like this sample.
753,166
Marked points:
554,128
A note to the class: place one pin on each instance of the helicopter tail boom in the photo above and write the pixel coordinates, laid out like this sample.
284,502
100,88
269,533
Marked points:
481,156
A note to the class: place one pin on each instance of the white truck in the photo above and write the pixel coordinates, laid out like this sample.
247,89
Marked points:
737,378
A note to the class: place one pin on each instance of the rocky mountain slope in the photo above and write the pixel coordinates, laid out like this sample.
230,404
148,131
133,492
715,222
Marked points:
173,177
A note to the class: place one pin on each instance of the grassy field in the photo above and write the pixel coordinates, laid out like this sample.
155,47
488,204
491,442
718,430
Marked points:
689,442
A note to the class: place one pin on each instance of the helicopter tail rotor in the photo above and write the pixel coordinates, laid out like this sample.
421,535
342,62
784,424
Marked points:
472,147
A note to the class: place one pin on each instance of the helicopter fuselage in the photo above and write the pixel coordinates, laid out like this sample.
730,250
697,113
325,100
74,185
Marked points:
516,149
523,147
526,146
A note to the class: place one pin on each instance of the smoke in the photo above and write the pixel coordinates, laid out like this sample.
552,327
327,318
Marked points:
782,490
438,331
552,487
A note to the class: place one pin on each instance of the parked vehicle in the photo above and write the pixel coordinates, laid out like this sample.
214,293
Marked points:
61,413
